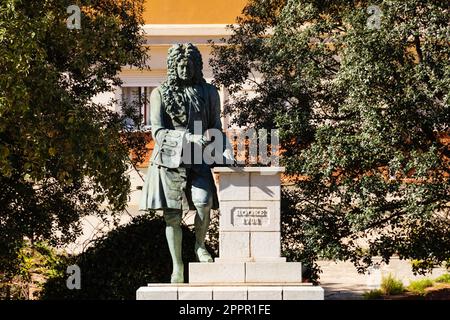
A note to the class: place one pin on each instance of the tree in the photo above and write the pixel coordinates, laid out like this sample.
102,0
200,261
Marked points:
360,93
61,155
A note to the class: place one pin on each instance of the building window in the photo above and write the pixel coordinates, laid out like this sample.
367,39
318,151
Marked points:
136,105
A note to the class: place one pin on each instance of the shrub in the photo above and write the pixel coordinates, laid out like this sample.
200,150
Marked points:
391,286
419,286
445,278
36,262
123,260
373,294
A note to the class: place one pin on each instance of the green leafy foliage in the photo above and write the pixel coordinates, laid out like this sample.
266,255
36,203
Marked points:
362,112
391,286
420,266
419,286
373,294
445,278
416,289
61,155
37,263
212,237
296,243
125,259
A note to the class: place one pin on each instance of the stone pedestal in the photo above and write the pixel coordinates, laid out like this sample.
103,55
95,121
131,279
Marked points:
249,266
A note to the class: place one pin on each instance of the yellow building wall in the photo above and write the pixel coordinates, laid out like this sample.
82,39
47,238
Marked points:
192,11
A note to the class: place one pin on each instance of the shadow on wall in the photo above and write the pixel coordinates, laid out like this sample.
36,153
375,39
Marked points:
119,263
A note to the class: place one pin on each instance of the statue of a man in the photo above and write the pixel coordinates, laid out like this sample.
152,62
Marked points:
178,105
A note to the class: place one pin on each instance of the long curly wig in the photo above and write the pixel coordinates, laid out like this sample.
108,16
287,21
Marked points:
173,88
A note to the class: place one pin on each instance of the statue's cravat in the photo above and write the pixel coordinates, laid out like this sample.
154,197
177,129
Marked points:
193,98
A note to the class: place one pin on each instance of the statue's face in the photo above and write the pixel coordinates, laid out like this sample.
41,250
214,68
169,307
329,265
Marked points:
185,69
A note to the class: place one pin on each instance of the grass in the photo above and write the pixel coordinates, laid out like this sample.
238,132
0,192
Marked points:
391,285
419,286
445,278
373,294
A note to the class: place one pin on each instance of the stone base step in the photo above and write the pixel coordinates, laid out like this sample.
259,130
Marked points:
243,272
224,292
250,259
226,284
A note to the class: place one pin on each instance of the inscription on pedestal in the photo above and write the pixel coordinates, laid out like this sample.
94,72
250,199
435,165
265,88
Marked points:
249,216
243,216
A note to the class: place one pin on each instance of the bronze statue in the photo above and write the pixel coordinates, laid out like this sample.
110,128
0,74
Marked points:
179,104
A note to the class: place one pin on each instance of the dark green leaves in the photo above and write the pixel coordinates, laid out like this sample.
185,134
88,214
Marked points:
61,155
362,109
